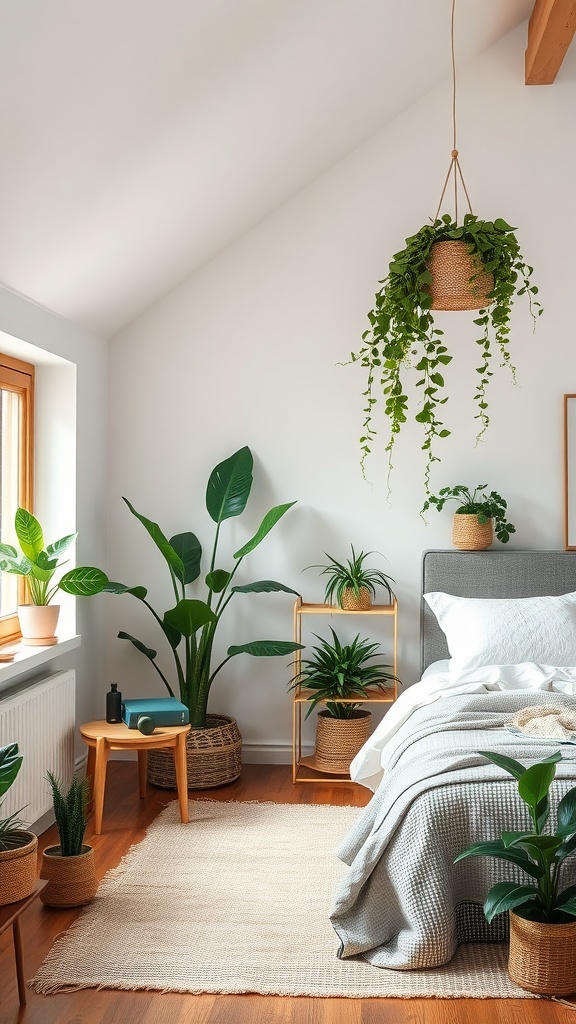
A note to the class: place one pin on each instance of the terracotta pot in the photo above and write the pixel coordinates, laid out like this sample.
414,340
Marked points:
338,740
72,881
18,870
542,956
470,535
38,624
356,602
452,267
213,756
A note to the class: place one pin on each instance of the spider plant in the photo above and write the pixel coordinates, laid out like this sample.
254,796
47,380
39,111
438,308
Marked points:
352,575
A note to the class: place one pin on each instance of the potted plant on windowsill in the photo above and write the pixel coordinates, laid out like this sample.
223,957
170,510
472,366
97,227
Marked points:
69,866
542,914
340,675
403,335
38,565
477,517
18,846
352,585
189,627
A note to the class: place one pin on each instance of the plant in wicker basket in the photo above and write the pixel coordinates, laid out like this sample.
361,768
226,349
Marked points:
542,913
474,516
69,867
351,584
17,845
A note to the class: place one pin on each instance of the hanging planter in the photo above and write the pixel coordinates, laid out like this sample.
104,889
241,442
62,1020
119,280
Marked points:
448,264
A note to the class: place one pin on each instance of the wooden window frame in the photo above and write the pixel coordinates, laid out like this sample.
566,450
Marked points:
18,376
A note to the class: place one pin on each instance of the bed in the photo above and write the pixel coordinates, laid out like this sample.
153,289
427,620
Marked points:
498,634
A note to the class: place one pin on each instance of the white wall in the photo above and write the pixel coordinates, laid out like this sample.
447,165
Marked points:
70,478
247,352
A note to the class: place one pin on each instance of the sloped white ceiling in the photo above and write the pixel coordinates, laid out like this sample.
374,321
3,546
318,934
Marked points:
140,137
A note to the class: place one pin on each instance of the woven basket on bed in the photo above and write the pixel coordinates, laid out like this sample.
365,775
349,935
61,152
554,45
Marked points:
543,956
457,278
470,535
338,740
213,756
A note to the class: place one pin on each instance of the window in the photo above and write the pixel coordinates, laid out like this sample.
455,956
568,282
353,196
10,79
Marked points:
16,474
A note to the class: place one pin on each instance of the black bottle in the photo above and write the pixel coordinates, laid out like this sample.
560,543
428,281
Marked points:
114,704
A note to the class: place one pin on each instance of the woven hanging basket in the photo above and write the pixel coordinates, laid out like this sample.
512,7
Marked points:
454,282
338,740
543,956
470,535
18,870
213,756
72,881
356,602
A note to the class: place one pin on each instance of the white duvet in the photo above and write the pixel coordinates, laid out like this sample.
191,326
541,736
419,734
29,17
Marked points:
437,683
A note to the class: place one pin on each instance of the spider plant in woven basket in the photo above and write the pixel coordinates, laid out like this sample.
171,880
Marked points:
350,580
340,672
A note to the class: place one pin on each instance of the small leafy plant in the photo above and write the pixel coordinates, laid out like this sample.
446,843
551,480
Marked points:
483,506
352,575
10,828
541,855
70,811
402,333
341,671
38,563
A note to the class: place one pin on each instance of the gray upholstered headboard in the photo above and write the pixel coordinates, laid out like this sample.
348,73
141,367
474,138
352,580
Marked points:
488,574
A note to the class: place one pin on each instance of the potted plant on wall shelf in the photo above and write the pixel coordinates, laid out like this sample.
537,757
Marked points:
38,565
69,866
340,675
542,914
477,517
403,336
190,626
18,846
351,584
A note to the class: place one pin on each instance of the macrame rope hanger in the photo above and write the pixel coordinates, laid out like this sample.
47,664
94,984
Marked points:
454,168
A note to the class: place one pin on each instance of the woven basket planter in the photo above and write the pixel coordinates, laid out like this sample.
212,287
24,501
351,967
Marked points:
213,756
356,602
454,284
470,535
338,740
542,956
18,870
72,881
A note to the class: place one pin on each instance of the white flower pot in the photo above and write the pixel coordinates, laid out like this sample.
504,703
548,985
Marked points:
38,624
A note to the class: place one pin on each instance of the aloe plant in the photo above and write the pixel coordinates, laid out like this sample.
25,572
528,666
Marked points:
38,564
11,827
70,810
538,853
190,626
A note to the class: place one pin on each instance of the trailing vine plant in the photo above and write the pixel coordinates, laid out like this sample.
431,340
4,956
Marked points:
403,334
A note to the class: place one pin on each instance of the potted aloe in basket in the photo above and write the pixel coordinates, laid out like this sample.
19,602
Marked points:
542,912
69,866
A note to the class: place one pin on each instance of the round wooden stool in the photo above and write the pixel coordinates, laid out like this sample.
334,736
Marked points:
101,737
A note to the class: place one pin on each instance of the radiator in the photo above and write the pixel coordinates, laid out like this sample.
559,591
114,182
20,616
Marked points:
41,720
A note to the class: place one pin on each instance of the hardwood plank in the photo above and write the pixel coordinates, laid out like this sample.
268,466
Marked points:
550,31
126,819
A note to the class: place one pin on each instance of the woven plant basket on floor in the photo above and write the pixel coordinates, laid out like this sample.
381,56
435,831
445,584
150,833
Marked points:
338,740
18,870
542,956
356,602
452,267
72,881
470,535
213,756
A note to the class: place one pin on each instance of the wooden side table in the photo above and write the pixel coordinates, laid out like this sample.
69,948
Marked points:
102,737
9,915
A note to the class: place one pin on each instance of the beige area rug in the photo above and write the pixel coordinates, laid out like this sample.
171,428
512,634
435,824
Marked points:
238,900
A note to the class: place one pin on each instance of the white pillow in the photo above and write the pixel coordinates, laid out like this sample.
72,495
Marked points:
506,631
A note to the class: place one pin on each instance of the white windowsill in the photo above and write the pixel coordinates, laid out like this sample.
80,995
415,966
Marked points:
29,658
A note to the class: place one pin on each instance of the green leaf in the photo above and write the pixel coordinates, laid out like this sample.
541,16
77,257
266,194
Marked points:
29,533
217,580
507,763
146,651
161,542
84,581
263,587
60,546
10,763
188,616
534,784
567,814
229,486
266,648
188,548
505,896
496,848
568,907
267,524
121,588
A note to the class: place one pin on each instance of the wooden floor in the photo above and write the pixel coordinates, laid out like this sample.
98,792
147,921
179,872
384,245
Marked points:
125,821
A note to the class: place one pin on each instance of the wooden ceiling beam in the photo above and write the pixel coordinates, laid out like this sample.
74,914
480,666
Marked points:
550,31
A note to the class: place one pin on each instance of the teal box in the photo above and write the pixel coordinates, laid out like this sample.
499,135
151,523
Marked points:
164,711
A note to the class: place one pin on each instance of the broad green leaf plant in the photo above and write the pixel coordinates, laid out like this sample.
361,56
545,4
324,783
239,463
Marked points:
538,853
38,564
403,335
10,828
190,625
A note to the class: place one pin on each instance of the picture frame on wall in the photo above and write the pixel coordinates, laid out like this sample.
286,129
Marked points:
570,472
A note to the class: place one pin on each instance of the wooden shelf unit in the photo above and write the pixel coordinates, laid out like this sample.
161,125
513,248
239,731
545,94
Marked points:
304,768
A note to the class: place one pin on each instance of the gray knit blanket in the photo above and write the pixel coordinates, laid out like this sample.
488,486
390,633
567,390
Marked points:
403,903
